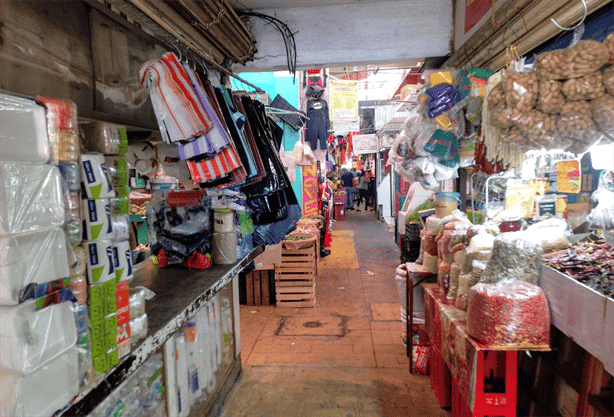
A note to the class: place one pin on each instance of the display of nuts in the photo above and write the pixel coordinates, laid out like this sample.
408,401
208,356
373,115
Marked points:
496,95
584,88
501,116
539,128
586,57
550,97
521,90
608,79
513,135
609,43
575,122
602,110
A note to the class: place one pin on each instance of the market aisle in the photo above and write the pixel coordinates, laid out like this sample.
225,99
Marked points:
344,357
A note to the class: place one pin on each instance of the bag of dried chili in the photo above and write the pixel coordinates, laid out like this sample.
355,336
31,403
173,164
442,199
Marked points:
510,313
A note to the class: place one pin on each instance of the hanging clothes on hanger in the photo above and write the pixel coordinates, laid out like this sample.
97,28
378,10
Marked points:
318,123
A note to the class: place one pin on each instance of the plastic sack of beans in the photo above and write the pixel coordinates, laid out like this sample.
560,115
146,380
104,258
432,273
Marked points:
550,96
521,90
454,283
514,135
608,80
432,226
584,88
586,57
463,291
431,263
496,95
539,128
443,276
430,246
511,314
501,116
609,43
575,122
515,255
602,110
420,259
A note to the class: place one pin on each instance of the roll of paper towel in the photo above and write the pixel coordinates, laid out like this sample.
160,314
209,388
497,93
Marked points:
100,262
96,216
95,177
224,248
31,258
122,256
29,337
30,197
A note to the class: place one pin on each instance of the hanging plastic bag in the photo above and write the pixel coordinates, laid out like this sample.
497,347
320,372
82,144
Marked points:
303,155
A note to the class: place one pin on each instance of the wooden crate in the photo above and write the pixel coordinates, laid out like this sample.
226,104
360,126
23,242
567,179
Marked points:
295,278
257,288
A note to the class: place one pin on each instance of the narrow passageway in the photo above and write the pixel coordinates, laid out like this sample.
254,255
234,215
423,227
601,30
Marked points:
345,357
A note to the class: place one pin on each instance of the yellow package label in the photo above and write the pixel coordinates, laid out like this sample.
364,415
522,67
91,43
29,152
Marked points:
569,177
440,77
523,197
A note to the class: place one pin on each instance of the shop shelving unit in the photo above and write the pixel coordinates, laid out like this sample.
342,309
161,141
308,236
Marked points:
179,294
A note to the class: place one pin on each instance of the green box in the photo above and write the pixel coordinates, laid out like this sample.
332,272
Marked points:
112,358
100,363
96,293
96,313
110,289
110,306
97,330
110,324
110,340
98,346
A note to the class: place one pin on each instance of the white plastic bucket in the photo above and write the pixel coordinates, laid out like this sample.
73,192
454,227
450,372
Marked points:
223,220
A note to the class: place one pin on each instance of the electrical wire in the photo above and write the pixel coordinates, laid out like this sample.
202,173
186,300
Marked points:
286,34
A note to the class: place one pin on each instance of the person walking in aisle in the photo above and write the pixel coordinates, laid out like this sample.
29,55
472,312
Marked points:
363,187
370,189
348,182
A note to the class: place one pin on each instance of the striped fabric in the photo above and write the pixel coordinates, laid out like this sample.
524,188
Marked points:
218,166
179,111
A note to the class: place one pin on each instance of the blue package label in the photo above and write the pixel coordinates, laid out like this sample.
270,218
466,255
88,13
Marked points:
89,172
91,210
111,260
93,254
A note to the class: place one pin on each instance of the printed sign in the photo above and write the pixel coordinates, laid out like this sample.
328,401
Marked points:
344,100
310,191
364,144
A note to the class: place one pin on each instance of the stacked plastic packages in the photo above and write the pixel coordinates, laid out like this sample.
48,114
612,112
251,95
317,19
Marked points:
106,231
199,354
38,334
428,148
233,228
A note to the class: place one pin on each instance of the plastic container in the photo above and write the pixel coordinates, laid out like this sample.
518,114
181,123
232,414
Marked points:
546,206
23,131
30,337
223,220
31,258
164,184
106,138
446,203
43,392
224,248
62,128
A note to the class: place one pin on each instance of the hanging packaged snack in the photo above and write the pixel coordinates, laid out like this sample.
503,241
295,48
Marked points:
502,116
569,176
515,255
584,88
550,98
585,57
106,138
521,90
440,77
514,136
608,80
496,95
575,122
62,128
539,128
602,110
512,315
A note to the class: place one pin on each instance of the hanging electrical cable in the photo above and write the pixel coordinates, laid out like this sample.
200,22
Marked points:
286,34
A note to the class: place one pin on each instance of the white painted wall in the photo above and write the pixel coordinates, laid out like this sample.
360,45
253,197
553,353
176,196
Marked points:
357,33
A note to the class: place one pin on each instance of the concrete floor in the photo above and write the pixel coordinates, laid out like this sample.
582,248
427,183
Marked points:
353,364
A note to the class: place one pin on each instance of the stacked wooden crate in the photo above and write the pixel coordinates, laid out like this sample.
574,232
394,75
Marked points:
257,288
295,284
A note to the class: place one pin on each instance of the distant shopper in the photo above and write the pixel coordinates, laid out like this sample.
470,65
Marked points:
347,178
363,188
371,189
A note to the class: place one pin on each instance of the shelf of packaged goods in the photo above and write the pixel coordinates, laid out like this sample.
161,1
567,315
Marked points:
582,313
179,294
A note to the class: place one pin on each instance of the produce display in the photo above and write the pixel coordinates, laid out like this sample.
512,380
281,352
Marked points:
591,263
513,315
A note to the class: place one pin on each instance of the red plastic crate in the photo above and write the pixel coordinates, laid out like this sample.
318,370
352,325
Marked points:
339,198
460,408
441,379
503,364
339,213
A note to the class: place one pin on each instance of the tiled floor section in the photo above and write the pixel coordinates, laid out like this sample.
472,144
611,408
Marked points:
349,360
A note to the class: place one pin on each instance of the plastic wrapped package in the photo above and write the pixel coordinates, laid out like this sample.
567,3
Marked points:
539,128
31,198
468,262
23,131
496,95
575,122
521,90
586,57
96,216
609,43
71,172
122,258
62,128
120,226
454,283
80,260
74,232
515,255
463,291
440,77
138,327
602,216
224,248
100,262
443,276
551,232
584,88
608,80
511,314
550,98
29,337
432,226
31,258
86,365
72,206
78,286
44,391
602,110
95,177
106,138
430,263
117,168
137,302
